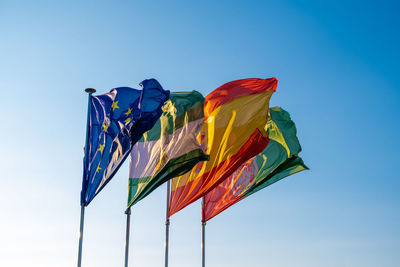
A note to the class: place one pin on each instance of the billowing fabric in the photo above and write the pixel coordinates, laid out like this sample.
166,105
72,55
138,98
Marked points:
278,160
233,131
117,121
170,148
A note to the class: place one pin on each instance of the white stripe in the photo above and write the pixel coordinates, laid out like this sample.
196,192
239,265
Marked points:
145,156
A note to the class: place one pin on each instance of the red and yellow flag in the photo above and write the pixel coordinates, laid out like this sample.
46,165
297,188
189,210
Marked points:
233,132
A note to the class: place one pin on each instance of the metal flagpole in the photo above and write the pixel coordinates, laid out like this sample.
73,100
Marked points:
81,235
128,226
90,91
203,240
203,244
167,224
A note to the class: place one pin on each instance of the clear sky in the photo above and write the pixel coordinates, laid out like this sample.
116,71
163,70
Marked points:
338,68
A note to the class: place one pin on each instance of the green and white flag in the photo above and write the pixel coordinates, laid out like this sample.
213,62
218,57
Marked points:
170,148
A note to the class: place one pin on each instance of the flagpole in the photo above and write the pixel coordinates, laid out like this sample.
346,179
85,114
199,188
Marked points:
167,224
90,91
203,236
81,236
128,226
203,244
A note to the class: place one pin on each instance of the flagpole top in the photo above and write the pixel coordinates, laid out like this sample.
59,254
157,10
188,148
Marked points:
90,90
128,211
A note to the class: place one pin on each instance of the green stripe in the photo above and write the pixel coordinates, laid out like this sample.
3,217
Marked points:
186,100
141,187
153,134
290,166
179,110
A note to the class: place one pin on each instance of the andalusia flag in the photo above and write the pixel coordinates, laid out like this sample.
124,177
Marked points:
278,160
233,132
170,148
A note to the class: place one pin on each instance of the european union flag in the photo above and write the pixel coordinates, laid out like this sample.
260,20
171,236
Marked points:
117,121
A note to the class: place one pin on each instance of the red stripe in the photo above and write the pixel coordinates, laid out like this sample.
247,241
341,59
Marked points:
232,90
195,189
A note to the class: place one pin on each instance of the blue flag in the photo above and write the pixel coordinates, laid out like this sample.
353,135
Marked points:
117,121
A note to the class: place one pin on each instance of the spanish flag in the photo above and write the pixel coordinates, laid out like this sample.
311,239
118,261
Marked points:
235,115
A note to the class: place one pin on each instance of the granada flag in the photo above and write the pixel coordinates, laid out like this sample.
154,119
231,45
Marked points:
278,160
170,148
235,115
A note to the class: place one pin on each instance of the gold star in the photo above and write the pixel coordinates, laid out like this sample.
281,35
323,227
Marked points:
127,120
98,168
128,112
114,105
101,148
105,127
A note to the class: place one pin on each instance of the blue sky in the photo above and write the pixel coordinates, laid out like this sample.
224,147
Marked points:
337,65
